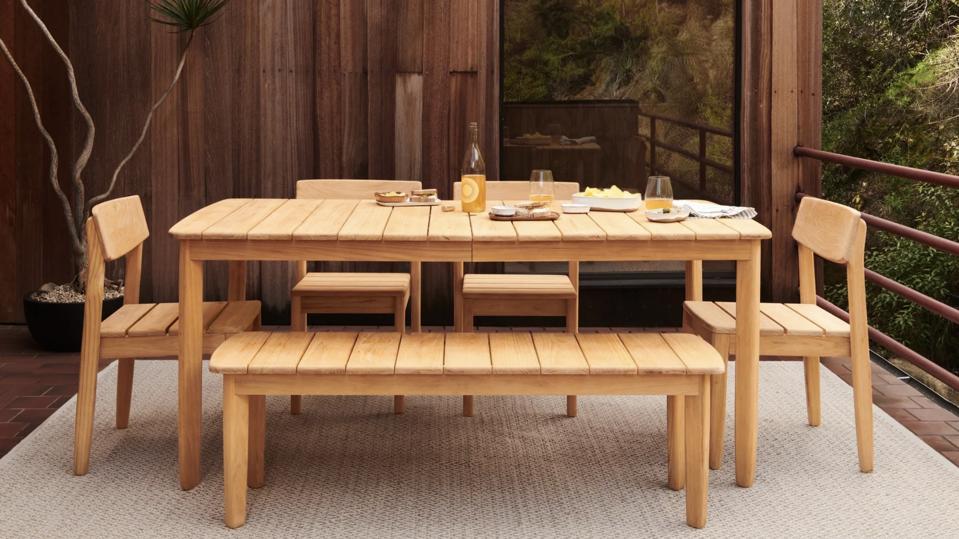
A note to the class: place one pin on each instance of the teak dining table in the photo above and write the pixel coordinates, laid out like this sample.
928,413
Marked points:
242,230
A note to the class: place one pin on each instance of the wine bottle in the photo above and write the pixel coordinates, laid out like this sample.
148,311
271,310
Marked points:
473,174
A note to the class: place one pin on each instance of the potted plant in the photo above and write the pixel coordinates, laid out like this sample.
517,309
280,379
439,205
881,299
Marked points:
54,312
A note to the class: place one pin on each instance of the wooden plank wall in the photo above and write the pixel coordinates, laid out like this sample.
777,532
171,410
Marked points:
781,107
274,91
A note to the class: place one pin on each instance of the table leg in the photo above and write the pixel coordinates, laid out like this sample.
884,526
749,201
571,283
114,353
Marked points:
747,365
237,281
694,280
458,272
190,367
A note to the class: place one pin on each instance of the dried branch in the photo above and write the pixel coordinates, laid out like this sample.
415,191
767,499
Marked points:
81,162
146,125
75,240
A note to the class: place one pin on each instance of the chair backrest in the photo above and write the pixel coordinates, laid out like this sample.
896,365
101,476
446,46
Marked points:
830,230
121,225
351,189
518,190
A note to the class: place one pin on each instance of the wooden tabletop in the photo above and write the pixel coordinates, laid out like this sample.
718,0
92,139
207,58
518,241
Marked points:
364,220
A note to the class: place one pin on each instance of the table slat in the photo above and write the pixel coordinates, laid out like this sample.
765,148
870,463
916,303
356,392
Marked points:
619,226
449,225
367,222
408,224
710,229
192,226
486,229
662,231
325,222
236,225
281,223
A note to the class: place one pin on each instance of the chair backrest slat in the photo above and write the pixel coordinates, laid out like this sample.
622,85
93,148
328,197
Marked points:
351,189
828,229
121,224
518,190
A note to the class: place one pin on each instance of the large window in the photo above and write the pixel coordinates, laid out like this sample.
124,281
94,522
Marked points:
610,91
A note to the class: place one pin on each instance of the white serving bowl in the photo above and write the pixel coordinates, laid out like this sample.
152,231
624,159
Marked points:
630,203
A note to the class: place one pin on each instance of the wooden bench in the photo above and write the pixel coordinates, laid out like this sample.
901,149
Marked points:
256,364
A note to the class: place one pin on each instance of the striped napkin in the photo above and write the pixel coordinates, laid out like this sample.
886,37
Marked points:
715,211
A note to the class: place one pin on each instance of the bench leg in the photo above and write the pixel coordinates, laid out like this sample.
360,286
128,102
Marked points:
697,450
467,406
236,425
399,324
458,272
717,406
813,408
399,404
416,280
676,448
124,391
297,323
256,476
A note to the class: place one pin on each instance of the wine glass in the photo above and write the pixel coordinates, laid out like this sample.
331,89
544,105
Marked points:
659,193
541,186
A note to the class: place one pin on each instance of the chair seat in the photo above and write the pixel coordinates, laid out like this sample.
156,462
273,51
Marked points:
160,319
795,319
518,285
353,284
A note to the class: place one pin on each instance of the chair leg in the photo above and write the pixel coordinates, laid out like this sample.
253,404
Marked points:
467,406
570,405
813,403
697,446
862,397
124,391
717,406
676,448
256,475
86,404
297,323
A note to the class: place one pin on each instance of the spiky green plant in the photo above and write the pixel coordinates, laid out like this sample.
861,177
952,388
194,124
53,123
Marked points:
186,15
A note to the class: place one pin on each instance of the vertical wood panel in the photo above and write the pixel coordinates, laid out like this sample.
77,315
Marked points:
409,126
464,108
329,120
436,93
409,36
381,85
464,37
9,297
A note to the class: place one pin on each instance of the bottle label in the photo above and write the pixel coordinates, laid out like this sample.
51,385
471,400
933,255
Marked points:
473,192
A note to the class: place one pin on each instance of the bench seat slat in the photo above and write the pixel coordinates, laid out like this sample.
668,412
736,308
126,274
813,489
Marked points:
606,354
421,353
234,355
513,353
698,355
374,353
327,353
281,353
467,353
652,354
559,353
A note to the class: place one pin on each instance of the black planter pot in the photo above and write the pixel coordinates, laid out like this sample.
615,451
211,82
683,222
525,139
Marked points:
58,327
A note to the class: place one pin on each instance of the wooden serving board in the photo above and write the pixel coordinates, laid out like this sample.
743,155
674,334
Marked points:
548,216
408,204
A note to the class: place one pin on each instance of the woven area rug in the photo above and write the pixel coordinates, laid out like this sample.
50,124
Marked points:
348,467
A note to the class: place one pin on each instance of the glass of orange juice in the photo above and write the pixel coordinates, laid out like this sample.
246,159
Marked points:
659,193
541,186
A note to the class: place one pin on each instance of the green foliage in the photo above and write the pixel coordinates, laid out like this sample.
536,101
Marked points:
186,15
888,67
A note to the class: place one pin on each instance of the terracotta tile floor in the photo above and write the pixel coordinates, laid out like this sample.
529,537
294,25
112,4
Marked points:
34,383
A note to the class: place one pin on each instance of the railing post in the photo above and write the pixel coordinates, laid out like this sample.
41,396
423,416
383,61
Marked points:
702,160
652,146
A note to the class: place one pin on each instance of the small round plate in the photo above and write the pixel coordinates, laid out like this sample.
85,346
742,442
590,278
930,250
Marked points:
675,214
503,211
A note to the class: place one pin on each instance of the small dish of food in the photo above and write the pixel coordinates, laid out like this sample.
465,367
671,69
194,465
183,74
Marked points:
609,199
668,215
503,211
391,197
424,195
575,208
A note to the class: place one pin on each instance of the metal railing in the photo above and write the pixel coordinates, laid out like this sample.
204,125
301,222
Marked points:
700,157
942,244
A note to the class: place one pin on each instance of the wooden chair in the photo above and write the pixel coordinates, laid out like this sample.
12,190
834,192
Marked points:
118,229
354,292
516,294
835,233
